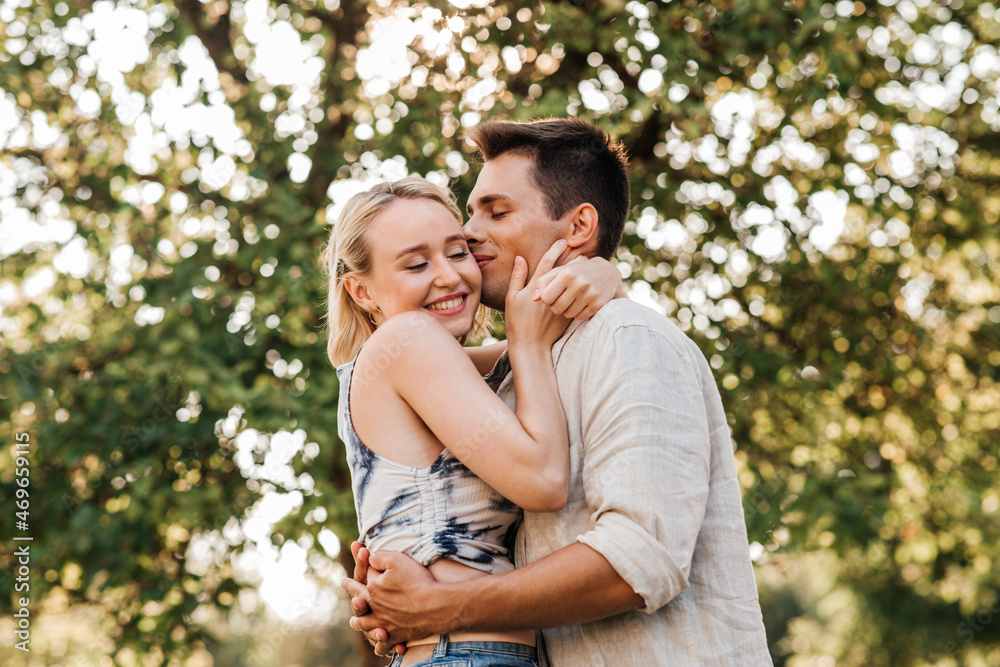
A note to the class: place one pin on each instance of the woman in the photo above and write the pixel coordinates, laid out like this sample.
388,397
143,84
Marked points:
440,466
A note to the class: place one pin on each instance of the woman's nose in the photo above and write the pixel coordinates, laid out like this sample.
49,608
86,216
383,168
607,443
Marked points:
446,275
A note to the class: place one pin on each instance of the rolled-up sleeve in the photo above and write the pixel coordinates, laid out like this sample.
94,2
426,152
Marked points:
647,459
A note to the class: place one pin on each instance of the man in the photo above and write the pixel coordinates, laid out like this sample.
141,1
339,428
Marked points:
648,562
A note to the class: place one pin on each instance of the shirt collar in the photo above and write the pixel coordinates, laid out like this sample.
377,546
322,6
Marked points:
501,369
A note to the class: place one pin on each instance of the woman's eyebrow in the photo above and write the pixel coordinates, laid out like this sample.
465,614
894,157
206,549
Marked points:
412,249
455,237
423,246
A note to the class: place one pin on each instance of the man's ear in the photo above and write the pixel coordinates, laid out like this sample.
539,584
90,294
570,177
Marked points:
584,226
358,291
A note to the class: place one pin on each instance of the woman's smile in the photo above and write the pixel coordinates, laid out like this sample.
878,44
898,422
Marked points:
448,305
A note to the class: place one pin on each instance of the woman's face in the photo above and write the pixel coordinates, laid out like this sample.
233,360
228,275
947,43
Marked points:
420,261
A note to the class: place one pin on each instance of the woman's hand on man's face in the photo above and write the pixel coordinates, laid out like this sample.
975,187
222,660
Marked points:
529,320
579,288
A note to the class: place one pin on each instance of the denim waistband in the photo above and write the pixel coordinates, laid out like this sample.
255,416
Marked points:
476,651
508,648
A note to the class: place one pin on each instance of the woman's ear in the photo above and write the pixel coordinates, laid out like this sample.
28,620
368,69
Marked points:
583,226
358,291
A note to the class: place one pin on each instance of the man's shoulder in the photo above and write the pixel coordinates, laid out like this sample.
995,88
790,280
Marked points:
625,312
624,315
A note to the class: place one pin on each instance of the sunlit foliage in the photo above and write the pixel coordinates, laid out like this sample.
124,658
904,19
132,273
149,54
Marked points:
816,193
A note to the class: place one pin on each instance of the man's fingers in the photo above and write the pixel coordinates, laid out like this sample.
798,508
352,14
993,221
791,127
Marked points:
549,259
383,560
361,554
382,649
373,636
376,637
355,590
359,606
365,624
361,565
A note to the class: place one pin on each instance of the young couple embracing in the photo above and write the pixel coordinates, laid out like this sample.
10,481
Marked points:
591,450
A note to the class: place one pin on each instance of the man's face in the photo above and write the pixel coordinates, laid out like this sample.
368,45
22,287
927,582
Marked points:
507,218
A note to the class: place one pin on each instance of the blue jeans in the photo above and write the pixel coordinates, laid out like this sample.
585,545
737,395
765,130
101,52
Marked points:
477,654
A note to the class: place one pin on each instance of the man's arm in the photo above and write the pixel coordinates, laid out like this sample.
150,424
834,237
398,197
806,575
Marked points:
485,356
646,473
570,586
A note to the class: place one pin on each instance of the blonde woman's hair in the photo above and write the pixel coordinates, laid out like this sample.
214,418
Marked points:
348,251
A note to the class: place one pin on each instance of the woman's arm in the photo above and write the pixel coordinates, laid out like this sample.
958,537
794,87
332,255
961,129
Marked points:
525,457
576,290
581,287
485,356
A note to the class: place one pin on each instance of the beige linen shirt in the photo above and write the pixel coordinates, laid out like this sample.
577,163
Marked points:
653,489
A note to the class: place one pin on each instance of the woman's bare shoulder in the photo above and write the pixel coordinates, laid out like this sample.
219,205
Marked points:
411,326
407,341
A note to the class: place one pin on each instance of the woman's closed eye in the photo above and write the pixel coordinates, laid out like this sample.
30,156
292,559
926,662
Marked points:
462,254
415,267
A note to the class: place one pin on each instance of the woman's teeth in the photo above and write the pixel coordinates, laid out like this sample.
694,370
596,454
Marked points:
446,305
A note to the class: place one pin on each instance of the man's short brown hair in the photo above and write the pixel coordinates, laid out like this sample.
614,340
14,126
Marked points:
574,163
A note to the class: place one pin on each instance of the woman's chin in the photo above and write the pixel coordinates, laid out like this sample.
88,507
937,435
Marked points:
459,331
457,327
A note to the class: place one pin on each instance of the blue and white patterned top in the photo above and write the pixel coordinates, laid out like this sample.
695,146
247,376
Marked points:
443,511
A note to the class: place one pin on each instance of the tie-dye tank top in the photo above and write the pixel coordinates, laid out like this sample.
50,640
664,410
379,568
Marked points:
443,511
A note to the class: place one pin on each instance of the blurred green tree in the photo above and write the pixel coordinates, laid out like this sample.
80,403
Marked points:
815,201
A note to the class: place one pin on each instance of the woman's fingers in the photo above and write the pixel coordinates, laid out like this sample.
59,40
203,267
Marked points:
570,298
567,304
579,288
549,259
518,276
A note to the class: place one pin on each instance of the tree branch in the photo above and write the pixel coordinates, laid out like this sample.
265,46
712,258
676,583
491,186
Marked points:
215,38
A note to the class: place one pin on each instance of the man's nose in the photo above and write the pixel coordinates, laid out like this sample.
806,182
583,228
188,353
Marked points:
473,235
